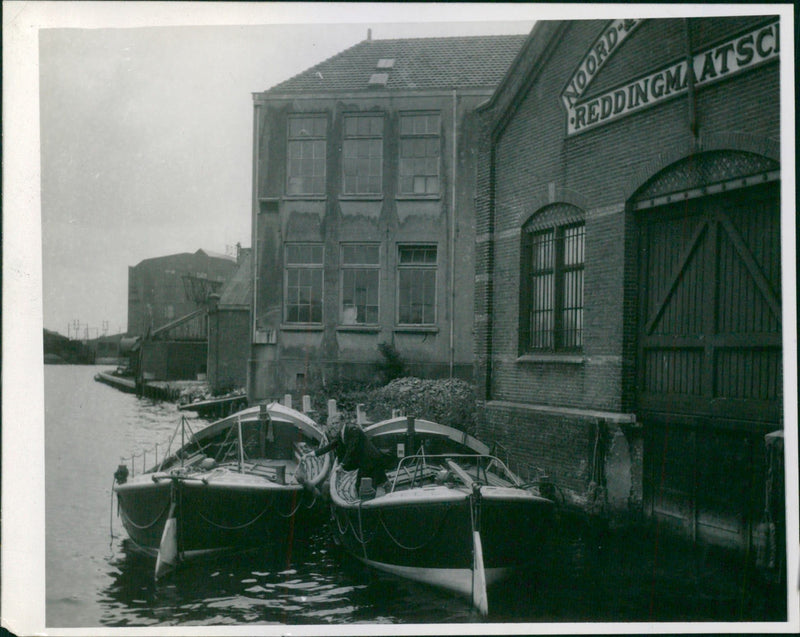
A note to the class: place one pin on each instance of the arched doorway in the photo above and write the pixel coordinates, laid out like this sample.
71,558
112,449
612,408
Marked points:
709,376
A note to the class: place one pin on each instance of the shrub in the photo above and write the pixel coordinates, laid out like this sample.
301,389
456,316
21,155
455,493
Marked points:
447,401
391,365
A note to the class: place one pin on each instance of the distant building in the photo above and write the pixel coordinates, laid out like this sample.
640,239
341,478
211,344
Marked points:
163,289
364,211
229,329
628,284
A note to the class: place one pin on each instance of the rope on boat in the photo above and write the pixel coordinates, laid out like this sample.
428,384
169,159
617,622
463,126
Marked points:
293,510
359,534
270,506
430,539
235,527
349,524
145,526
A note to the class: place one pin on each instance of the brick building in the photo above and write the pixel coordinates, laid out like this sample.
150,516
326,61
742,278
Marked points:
163,289
628,291
363,211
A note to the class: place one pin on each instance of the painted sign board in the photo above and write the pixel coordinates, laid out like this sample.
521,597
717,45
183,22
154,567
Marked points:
728,58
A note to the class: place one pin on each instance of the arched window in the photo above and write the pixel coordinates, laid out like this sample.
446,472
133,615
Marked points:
551,280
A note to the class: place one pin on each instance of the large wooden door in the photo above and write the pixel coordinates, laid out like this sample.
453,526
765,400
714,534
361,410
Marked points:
709,361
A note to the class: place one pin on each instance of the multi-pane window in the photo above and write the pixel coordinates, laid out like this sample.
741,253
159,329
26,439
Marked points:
553,291
416,280
419,153
363,154
360,268
305,156
303,283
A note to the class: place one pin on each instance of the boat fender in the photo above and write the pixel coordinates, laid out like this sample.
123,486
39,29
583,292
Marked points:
366,491
121,474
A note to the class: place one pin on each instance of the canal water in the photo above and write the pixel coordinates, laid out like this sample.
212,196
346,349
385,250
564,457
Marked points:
94,578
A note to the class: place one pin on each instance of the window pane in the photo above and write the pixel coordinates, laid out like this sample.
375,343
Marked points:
556,288
418,254
304,277
419,154
360,254
359,296
417,296
363,154
305,165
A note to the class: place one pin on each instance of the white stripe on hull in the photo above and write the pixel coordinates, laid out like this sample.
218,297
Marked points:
188,555
458,580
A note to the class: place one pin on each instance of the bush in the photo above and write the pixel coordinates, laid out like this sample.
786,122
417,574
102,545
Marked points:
448,401
391,365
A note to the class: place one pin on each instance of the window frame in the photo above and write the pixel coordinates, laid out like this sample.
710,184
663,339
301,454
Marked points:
561,339
359,267
424,267
313,266
312,139
435,141
360,137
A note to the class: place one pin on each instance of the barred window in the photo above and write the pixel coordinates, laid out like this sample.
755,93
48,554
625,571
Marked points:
552,288
303,276
419,153
360,272
305,155
363,154
416,282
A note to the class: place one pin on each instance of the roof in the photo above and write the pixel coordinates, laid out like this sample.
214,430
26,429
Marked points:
187,257
239,288
215,255
418,63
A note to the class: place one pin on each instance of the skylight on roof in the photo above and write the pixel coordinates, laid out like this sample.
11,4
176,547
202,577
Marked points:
379,79
386,63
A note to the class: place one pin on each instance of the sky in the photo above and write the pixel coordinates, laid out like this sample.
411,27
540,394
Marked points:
146,134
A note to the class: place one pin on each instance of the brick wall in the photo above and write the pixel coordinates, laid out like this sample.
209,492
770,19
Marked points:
526,161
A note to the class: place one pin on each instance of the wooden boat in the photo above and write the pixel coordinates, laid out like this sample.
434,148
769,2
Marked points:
246,480
450,514
221,406
124,383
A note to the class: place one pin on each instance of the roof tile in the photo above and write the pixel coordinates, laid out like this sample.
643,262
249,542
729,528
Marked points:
420,63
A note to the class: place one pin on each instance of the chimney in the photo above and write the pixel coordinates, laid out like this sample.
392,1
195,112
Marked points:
369,35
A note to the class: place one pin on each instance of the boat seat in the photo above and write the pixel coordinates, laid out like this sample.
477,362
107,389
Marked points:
273,471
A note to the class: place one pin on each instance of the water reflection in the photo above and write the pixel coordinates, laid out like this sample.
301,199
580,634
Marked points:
314,583
589,574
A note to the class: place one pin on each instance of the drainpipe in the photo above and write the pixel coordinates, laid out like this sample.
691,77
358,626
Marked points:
251,359
254,223
453,236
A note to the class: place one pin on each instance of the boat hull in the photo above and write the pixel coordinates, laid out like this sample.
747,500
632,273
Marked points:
426,534
214,517
247,480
